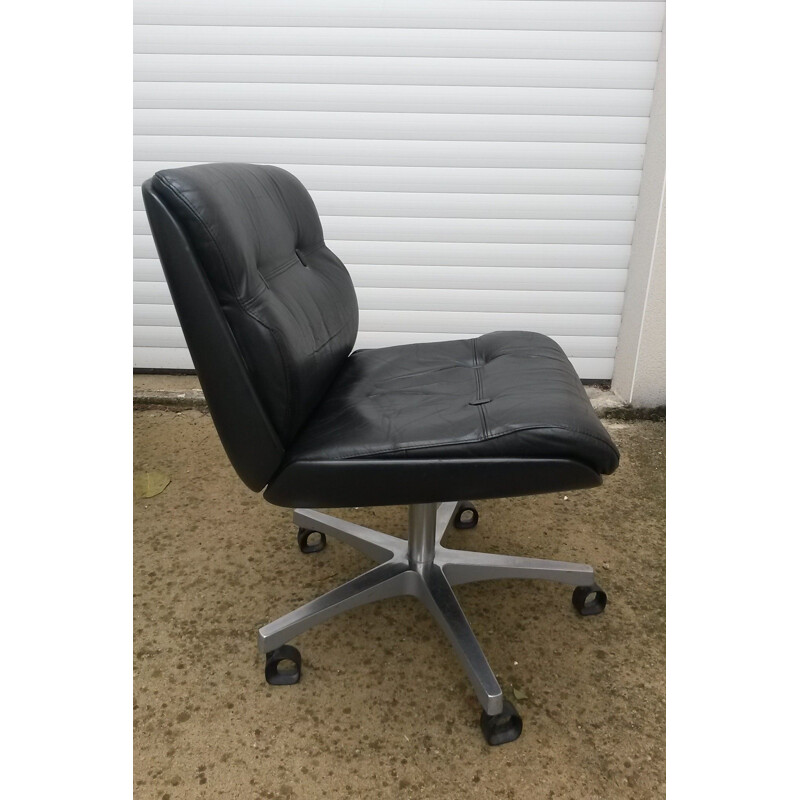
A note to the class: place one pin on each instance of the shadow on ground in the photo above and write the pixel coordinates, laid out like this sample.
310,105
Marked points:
384,710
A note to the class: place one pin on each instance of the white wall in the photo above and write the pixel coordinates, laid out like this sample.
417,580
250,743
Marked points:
640,365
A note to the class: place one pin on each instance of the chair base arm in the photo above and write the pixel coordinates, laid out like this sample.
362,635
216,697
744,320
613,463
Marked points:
420,567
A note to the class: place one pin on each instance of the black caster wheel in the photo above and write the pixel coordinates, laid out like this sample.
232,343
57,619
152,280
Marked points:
310,541
589,600
503,727
284,666
466,517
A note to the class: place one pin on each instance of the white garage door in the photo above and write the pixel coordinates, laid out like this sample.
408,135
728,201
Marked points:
476,163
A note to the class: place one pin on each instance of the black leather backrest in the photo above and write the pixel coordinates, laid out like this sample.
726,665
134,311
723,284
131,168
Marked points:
288,301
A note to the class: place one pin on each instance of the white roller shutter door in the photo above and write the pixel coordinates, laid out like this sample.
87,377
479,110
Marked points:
476,163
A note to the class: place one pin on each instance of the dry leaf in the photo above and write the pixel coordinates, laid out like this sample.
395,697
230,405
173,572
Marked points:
149,484
519,694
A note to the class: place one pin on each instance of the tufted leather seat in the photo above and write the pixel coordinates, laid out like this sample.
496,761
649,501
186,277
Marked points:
502,400
270,316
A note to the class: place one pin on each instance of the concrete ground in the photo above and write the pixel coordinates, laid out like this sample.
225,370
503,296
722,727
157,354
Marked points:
384,709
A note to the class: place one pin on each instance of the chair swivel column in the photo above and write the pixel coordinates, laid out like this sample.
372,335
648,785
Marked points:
422,533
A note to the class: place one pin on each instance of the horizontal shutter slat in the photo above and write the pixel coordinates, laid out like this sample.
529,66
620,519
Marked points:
488,300
501,231
367,97
459,254
393,70
387,125
443,179
558,15
520,279
448,322
548,155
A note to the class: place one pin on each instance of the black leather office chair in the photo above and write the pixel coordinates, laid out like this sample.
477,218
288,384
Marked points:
270,317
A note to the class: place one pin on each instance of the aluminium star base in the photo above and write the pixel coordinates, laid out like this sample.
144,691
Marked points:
422,567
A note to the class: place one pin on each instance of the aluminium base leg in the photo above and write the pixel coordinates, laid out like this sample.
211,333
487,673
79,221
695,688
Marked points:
420,567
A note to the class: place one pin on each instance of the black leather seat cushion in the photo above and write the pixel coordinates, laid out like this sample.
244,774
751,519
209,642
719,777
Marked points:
512,398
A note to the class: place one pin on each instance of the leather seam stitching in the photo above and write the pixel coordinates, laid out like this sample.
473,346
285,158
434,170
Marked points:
278,270
479,382
466,441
